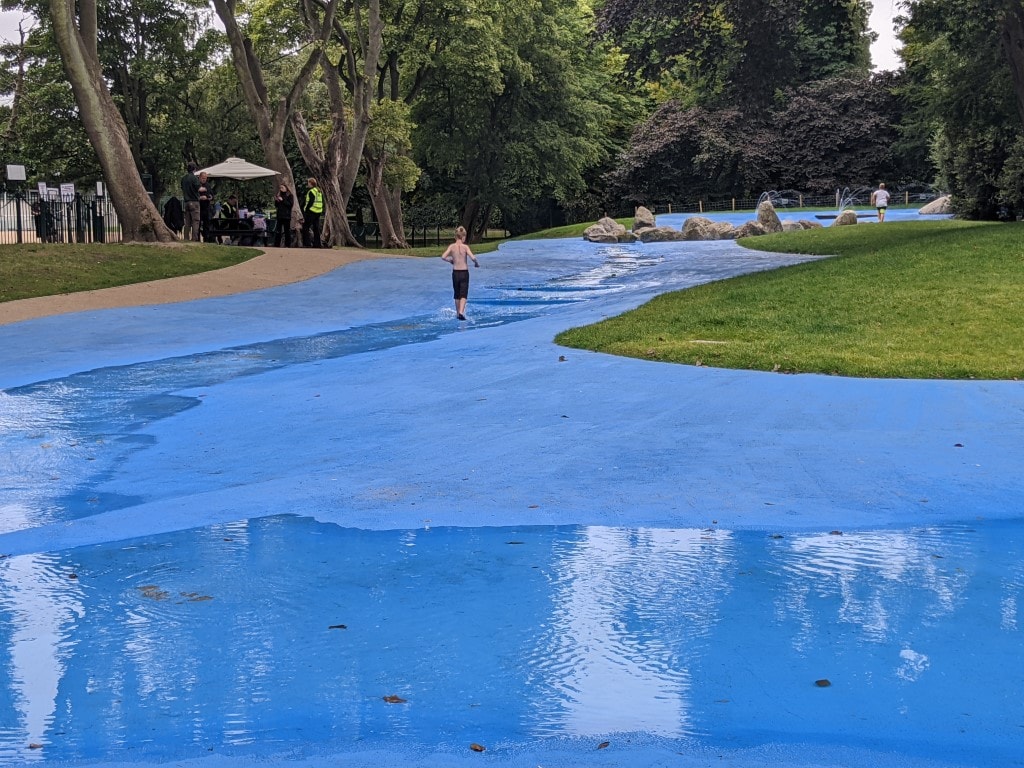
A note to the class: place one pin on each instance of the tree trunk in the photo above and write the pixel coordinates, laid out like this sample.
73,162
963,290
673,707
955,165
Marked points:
1013,49
391,231
337,164
394,203
468,215
474,218
271,118
138,216
325,165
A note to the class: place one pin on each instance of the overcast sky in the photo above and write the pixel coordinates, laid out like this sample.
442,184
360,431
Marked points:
883,52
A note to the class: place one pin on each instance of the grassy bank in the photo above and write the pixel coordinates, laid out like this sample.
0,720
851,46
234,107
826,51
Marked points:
940,299
47,269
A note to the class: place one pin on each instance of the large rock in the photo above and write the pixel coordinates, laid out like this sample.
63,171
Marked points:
643,219
751,229
699,228
845,218
599,236
941,205
725,231
606,230
791,225
767,217
658,234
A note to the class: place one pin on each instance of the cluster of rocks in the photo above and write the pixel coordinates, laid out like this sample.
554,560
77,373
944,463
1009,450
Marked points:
644,230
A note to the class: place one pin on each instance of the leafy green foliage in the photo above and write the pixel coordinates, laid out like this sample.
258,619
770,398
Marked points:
519,110
959,83
818,137
739,52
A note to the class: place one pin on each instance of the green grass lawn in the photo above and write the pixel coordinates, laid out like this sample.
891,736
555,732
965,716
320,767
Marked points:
47,269
938,299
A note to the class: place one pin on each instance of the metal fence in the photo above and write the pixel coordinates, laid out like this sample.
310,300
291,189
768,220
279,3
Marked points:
791,199
28,217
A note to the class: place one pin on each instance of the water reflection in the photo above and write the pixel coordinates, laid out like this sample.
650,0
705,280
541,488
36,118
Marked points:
630,611
278,633
41,603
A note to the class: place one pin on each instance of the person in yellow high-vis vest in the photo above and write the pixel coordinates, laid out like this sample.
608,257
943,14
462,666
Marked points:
312,210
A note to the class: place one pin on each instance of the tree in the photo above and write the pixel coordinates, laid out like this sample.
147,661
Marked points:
418,32
75,33
271,112
334,154
42,129
961,80
818,137
739,52
516,111
389,169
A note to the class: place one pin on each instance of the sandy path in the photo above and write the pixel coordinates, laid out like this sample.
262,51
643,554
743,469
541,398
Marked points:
276,266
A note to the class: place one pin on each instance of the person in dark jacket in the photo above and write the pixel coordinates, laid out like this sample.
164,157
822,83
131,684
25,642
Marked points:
190,194
205,207
174,215
283,203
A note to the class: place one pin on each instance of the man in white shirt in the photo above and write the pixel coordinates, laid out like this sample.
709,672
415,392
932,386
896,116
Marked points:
880,199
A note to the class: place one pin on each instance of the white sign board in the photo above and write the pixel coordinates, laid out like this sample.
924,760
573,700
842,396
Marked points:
67,192
15,172
41,186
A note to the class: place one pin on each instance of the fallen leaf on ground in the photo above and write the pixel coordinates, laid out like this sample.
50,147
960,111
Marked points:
477,747
394,699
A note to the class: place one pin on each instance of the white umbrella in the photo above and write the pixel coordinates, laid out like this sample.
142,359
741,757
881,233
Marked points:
237,168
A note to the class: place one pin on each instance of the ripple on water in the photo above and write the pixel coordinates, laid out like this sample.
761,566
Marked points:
282,632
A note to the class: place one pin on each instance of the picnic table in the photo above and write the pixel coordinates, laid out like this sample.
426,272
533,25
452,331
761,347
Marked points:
241,231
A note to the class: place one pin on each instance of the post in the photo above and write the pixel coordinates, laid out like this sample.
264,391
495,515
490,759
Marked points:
734,203
670,207
700,206
17,208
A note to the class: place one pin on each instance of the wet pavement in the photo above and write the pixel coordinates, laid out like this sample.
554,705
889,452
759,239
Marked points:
356,402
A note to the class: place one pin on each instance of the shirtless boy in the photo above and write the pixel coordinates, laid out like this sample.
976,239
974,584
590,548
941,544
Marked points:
458,255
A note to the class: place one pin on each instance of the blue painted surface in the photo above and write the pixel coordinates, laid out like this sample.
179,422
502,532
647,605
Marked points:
539,554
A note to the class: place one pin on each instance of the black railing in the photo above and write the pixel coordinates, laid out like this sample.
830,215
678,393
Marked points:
28,217
860,197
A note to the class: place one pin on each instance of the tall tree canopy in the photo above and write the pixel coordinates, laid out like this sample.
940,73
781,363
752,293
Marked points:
739,52
963,63
518,110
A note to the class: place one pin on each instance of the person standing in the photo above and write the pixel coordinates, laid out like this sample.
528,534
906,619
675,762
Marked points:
880,199
312,210
205,207
190,197
458,255
284,200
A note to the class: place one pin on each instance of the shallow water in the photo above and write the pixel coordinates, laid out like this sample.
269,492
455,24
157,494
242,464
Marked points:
268,634
282,635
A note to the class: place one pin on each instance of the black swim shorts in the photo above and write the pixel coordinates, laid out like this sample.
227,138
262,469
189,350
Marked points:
460,282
